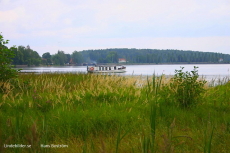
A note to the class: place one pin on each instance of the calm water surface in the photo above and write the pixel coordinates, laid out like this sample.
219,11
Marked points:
209,71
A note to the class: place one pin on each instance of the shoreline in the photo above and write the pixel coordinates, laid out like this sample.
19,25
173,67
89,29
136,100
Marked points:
184,63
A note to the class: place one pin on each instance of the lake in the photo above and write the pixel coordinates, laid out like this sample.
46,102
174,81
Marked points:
208,71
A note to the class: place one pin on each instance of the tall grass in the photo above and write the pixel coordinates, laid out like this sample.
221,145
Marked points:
102,113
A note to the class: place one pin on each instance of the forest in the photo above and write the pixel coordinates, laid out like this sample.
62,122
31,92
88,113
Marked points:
27,56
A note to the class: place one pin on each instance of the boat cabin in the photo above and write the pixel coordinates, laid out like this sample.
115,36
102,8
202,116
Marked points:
106,68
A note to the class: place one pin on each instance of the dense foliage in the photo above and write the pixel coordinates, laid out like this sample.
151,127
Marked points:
153,56
186,87
6,55
26,56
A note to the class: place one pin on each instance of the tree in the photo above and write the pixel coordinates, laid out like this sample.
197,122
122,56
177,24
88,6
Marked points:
77,57
47,58
18,58
26,56
112,57
36,59
6,55
68,58
59,58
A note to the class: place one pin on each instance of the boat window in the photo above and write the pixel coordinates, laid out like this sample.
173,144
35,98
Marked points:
109,68
114,67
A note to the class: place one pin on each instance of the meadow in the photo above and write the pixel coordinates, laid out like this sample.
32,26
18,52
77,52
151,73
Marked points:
107,113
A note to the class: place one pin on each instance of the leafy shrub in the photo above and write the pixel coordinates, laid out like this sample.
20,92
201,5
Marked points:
186,87
6,55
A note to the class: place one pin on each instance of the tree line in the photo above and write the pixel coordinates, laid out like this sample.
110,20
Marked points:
156,56
27,56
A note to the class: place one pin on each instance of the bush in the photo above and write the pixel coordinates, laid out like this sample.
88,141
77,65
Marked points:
186,87
6,55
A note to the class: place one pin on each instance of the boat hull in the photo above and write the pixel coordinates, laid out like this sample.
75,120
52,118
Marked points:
106,69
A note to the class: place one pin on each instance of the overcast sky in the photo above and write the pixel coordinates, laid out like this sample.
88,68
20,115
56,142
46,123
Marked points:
69,25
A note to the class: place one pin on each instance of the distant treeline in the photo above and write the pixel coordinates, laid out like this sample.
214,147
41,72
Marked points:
26,56
153,56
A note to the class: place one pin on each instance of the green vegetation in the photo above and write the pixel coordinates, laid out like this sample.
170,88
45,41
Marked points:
26,56
186,87
6,55
101,113
156,56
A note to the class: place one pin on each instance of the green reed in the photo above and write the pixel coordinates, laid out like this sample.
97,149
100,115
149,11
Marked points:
101,113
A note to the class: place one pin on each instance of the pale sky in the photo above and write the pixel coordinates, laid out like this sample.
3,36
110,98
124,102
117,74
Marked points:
69,25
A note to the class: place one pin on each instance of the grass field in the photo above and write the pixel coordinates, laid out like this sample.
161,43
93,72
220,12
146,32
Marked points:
102,113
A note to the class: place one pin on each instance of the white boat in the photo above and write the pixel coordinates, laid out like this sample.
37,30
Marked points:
106,69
